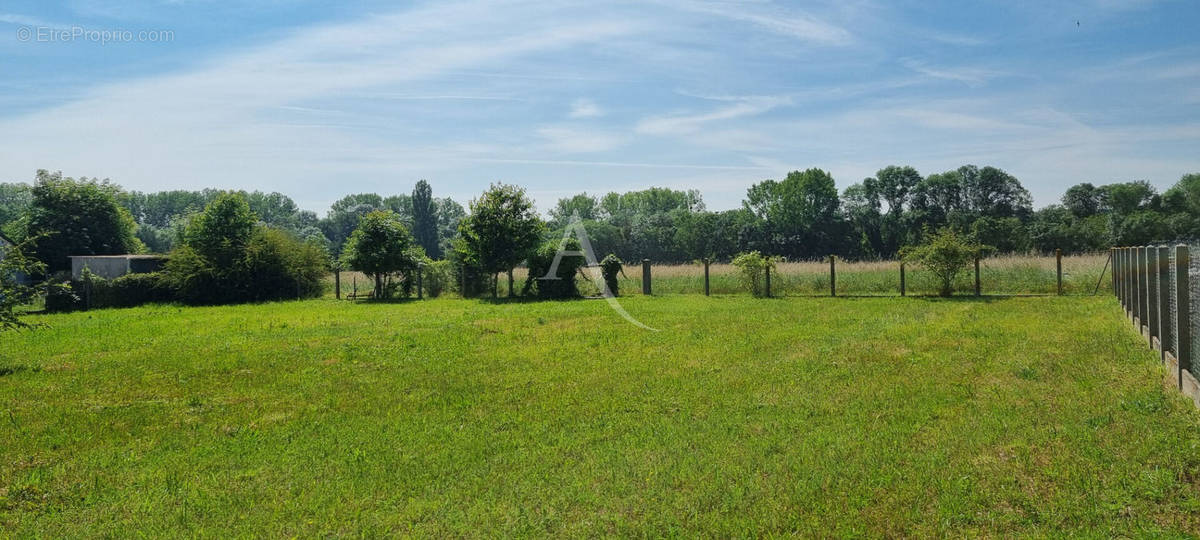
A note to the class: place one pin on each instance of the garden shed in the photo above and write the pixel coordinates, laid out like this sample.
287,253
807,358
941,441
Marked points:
115,266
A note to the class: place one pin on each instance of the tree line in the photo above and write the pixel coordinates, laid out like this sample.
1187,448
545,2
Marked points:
800,216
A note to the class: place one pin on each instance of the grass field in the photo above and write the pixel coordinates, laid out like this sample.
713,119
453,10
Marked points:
1008,274
810,416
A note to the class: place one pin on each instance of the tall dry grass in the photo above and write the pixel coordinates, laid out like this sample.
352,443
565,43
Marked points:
1006,274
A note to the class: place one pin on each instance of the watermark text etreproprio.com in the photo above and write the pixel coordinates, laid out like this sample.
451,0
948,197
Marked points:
50,34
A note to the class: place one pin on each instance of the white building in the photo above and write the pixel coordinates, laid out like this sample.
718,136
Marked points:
115,266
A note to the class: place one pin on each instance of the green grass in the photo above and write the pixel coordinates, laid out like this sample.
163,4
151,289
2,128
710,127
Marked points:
810,416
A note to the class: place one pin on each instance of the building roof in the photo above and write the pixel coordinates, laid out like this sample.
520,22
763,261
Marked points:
118,256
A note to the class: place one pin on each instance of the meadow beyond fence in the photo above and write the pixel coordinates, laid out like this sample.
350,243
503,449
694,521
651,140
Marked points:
1001,275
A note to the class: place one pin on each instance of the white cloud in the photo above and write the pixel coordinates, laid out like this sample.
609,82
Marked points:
16,18
585,108
579,140
682,124
973,77
789,23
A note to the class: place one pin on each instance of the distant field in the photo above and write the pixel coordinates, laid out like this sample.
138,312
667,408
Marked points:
998,275
741,417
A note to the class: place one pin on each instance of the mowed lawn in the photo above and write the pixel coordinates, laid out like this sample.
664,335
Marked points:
742,416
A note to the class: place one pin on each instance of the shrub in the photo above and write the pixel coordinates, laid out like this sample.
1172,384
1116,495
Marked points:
753,266
222,261
281,266
438,278
562,285
945,254
609,268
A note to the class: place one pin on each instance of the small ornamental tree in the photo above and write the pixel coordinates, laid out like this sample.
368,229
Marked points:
609,268
946,254
502,230
382,246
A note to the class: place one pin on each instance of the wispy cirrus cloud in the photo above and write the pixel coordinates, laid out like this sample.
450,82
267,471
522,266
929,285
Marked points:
585,108
791,23
971,76
680,124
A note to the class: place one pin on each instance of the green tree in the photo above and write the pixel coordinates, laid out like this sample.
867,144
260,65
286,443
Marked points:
587,207
425,226
15,290
380,247
501,231
221,233
1083,200
343,216
77,217
15,200
449,214
802,213
227,256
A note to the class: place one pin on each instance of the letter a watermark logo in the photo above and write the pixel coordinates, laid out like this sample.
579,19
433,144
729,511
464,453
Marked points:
576,227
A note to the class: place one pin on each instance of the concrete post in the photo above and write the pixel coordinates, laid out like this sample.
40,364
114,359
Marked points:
1112,259
1183,314
1116,275
1141,270
832,275
977,289
706,262
1164,303
646,277
1152,299
1058,262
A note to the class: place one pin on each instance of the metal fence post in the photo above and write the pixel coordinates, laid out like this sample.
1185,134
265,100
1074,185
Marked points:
977,289
646,277
1164,303
902,279
832,275
706,262
768,269
1183,316
1058,262
337,284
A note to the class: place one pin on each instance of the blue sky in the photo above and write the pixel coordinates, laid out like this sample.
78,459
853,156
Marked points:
320,99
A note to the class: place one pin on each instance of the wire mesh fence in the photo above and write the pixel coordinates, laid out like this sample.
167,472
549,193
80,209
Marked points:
1159,288
998,275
